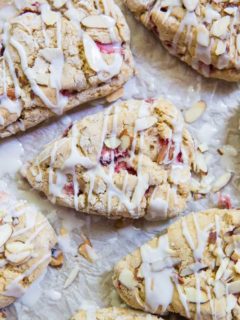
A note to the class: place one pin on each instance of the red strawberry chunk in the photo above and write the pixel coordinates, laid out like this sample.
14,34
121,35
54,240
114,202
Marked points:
122,165
106,156
109,48
69,188
224,202
180,157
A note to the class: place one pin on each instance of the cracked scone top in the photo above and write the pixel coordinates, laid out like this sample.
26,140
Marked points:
192,270
26,240
113,314
134,159
204,34
56,55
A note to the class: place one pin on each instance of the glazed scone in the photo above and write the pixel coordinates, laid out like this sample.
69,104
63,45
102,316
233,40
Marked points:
192,270
56,55
134,159
113,314
204,34
26,240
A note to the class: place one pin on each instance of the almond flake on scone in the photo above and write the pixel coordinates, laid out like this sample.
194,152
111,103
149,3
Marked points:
56,55
113,314
134,159
204,34
192,270
26,240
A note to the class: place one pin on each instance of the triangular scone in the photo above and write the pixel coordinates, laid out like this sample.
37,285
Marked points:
113,314
192,270
26,240
56,55
134,159
204,34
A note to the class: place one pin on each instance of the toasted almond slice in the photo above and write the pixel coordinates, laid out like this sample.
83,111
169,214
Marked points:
195,112
145,123
203,147
203,36
220,27
222,268
221,182
112,142
125,142
18,258
233,287
86,250
196,296
228,150
126,278
18,246
237,267
230,10
221,47
115,95
49,17
98,21
5,233
190,5
57,261
200,163
219,289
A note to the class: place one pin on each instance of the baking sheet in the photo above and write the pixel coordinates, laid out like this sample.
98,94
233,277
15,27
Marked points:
158,74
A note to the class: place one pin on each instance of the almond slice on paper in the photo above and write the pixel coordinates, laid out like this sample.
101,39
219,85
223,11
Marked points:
98,21
221,182
72,276
196,296
5,233
234,287
86,251
203,147
126,278
195,112
112,142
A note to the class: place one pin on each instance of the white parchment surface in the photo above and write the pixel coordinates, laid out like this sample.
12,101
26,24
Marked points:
158,74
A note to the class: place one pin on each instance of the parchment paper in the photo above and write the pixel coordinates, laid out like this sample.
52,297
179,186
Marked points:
158,74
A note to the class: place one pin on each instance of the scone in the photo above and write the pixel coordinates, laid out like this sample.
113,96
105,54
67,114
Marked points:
134,159
192,270
26,240
56,55
204,34
113,314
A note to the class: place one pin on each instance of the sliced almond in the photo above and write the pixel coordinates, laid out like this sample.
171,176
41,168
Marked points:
18,246
203,147
228,150
190,5
145,123
98,21
115,95
18,258
234,287
222,268
112,142
72,276
237,267
195,112
200,165
196,296
221,47
49,17
220,27
229,249
42,79
85,251
230,10
5,233
219,289
203,36
126,278
221,182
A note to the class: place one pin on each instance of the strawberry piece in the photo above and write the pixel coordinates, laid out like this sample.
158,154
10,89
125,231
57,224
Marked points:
109,48
180,157
69,189
224,202
106,156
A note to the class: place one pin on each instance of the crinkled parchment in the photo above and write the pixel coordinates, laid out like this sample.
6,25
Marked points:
158,74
